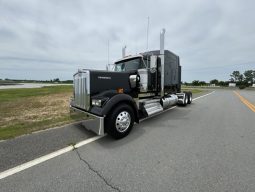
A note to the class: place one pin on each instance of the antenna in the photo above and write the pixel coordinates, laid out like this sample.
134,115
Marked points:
147,42
108,64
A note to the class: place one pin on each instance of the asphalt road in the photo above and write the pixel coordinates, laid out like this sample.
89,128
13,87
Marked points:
14,152
249,95
207,146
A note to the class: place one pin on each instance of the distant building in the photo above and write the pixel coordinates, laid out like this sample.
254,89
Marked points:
253,85
232,84
212,85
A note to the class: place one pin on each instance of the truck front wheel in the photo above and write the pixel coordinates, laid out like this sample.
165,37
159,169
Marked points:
120,121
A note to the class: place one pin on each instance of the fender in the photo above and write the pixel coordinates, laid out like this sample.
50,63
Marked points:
112,102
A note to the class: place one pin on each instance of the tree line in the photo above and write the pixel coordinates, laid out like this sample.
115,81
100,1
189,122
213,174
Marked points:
241,79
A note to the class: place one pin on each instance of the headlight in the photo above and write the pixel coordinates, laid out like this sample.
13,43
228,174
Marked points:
97,102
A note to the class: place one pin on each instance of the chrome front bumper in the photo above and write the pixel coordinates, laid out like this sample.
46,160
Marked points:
90,121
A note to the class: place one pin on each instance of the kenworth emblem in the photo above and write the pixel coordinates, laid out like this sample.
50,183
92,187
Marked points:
102,77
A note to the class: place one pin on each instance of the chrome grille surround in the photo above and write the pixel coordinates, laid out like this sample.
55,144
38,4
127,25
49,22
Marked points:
81,85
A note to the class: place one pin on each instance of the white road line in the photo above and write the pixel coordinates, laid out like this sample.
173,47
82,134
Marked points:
47,157
203,96
87,141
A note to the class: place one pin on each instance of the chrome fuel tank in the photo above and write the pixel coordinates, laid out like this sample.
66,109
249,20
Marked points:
169,101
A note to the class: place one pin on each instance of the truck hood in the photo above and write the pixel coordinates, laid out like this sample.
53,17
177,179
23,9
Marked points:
101,81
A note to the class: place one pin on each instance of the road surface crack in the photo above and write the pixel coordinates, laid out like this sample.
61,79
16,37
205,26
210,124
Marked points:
96,172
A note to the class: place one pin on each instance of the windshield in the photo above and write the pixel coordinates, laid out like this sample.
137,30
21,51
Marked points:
129,65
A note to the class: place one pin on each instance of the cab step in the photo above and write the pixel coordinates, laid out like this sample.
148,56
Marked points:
152,108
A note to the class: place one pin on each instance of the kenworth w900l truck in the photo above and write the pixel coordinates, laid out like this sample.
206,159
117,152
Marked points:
140,86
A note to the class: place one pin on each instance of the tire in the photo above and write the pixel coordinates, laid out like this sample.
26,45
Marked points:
120,121
186,99
189,97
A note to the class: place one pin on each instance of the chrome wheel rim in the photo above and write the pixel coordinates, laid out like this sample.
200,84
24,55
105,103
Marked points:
123,121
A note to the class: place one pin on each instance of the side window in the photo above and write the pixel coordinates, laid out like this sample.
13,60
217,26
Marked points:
145,63
137,63
128,65
119,67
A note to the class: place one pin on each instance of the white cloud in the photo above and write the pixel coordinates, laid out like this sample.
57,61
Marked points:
48,39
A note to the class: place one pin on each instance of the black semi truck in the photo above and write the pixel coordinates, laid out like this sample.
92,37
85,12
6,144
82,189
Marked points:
140,86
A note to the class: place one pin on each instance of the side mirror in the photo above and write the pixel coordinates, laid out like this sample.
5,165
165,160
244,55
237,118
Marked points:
133,79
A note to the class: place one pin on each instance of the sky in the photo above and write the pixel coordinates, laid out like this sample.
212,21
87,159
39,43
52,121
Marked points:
54,38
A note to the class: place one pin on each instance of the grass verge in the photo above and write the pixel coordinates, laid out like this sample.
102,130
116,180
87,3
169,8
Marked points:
194,91
24,111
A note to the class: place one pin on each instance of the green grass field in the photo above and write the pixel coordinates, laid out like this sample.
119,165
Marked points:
194,91
24,111
16,94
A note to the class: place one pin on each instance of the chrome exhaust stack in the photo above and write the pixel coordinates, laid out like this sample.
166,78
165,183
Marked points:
124,51
162,57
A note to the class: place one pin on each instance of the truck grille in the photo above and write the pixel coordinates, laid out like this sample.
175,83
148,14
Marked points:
82,90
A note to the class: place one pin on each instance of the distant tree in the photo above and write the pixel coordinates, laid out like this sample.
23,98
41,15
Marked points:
240,78
198,83
214,81
56,80
235,76
195,83
249,76
223,83
202,83
186,83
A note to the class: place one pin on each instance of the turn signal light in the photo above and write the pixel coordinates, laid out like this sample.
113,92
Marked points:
120,90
